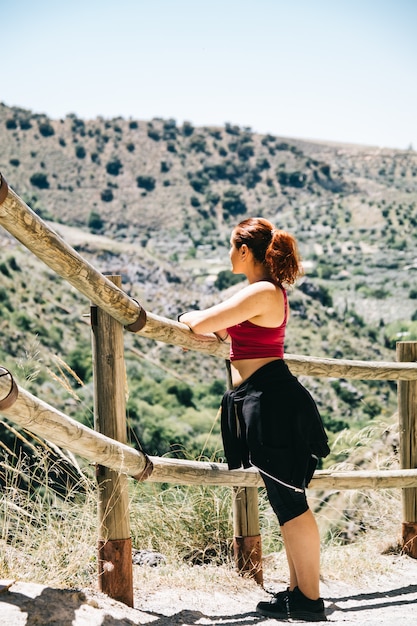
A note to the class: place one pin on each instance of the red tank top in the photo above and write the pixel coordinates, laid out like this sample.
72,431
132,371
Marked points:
250,341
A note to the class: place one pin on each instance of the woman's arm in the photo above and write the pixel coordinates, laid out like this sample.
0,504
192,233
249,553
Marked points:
249,303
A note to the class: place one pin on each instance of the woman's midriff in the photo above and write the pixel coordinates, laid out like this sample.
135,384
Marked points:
243,368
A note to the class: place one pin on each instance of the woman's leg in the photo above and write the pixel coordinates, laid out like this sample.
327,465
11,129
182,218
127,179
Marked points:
302,545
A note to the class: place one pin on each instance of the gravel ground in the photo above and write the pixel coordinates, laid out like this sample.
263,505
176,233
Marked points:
390,599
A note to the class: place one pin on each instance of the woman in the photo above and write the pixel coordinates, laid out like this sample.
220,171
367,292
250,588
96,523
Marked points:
269,420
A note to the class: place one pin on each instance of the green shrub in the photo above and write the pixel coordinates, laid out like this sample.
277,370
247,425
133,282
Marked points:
25,124
146,182
181,391
154,134
252,178
114,166
23,321
245,151
187,129
198,143
80,361
232,130
95,222
106,195
199,182
232,202
46,129
292,179
13,264
40,180
225,279
80,152
4,295
170,130
347,392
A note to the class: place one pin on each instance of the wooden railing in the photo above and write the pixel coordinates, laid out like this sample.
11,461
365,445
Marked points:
112,303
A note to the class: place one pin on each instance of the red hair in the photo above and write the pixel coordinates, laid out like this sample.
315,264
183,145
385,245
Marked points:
275,248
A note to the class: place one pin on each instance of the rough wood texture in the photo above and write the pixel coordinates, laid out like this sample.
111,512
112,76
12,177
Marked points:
407,414
409,537
115,557
248,557
115,554
183,472
110,418
361,370
245,510
246,531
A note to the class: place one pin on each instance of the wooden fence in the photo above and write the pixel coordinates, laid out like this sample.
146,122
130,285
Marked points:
112,311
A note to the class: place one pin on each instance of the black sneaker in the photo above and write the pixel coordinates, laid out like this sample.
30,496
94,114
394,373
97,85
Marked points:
293,605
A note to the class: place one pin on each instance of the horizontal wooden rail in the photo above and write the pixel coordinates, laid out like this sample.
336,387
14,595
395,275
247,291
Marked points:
205,473
361,370
45,421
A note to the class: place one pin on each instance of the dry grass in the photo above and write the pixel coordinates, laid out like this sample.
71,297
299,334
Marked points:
50,539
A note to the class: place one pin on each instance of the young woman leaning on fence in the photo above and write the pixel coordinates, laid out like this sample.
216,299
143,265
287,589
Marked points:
269,420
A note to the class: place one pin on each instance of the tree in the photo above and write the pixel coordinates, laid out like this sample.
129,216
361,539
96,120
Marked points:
40,180
106,195
80,152
225,279
114,166
146,182
45,129
187,129
95,222
11,124
233,203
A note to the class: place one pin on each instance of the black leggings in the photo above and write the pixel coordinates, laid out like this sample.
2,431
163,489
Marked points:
286,503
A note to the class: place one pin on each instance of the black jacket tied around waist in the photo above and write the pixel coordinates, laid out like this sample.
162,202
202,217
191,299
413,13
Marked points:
271,422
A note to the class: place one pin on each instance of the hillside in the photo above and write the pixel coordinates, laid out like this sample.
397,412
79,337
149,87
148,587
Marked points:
175,192
156,202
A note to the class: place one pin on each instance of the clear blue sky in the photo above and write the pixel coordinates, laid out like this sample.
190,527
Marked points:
339,70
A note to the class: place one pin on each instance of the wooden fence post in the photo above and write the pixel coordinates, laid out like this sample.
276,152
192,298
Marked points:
407,414
247,543
114,542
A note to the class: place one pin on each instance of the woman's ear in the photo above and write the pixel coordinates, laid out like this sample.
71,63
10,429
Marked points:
244,250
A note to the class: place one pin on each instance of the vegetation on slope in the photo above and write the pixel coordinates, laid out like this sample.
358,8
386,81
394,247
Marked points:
155,202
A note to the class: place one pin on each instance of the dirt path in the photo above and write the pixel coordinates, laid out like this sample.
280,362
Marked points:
391,599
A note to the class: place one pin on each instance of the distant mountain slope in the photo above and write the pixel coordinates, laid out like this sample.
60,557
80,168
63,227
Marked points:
144,176
155,202
175,191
